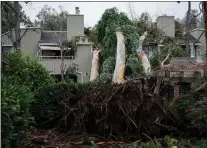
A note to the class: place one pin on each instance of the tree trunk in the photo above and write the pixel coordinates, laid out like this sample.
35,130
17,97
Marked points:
158,84
187,28
17,26
62,63
205,22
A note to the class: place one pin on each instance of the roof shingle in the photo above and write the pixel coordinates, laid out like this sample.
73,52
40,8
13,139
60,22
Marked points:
53,36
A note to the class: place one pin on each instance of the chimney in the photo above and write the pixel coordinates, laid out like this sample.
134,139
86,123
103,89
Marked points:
77,11
167,25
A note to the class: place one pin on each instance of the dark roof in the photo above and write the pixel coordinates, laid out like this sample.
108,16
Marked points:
183,40
183,64
180,40
53,36
182,67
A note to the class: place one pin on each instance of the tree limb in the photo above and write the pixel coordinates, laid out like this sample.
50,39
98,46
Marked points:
159,79
201,87
11,7
162,63
24,33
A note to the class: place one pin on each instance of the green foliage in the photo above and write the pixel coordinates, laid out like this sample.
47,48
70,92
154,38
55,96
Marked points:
28,72
200,144
105,35
49,100
179,28
175,51
144,23
170,142
50,19
193,107
16,120
8,16
104,77
93,145
110,21
133,67
19,80
108,65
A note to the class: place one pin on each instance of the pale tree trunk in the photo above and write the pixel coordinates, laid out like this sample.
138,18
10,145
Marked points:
142,56
95,64
120,67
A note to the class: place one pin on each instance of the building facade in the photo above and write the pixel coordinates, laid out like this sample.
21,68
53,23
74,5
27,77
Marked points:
45,46
166,25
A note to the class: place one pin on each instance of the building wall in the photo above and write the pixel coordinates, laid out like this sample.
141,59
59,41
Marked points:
83,58
53,65
167,25
196,34
6,40
29,42
75,26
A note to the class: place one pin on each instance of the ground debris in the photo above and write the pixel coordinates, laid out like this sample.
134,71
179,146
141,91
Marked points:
112,110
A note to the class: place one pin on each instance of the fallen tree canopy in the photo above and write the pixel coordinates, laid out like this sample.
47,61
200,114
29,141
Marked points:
113,114
118,110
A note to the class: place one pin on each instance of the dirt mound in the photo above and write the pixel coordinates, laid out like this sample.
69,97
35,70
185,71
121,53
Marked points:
112,110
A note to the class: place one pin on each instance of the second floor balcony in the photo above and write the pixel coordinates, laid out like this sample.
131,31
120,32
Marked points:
54,52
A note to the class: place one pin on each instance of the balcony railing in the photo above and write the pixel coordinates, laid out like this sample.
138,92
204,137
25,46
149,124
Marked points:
57,57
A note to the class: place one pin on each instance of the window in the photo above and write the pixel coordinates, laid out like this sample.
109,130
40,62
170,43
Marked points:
6,49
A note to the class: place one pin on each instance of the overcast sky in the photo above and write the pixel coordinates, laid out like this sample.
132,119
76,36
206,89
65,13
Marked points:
93,10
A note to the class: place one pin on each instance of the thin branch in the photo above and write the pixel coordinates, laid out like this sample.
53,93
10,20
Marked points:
198,38
10,37
23,34
11,7
162,63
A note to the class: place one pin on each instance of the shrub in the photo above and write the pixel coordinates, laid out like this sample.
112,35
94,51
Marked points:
193,107
49,101
28,72
20,78
16,120
109,65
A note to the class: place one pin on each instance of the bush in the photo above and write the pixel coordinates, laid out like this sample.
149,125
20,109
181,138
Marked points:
109,65
16,120
193,108
49,101
20,78
28,72
176,51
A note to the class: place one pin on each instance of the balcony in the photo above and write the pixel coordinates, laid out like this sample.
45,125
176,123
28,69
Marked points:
53,63
57,57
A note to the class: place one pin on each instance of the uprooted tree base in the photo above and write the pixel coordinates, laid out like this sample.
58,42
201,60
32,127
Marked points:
112,110
117,110
123,112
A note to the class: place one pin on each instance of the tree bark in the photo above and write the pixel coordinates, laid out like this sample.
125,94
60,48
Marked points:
187,28
62,63
17,43
205,22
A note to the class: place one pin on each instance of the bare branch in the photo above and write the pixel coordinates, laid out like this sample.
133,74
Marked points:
11,7
162,63
24,33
